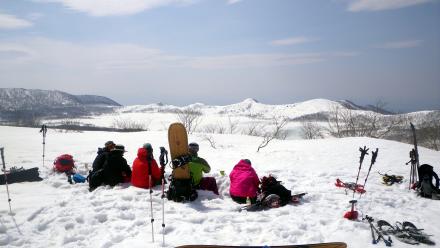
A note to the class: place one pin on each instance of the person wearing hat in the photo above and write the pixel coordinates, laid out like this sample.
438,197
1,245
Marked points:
100,159
141,168
116,167
198,166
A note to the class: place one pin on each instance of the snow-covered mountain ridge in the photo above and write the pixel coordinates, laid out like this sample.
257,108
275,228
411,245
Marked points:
13,99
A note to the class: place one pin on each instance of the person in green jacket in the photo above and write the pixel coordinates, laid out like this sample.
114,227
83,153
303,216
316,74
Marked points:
198,166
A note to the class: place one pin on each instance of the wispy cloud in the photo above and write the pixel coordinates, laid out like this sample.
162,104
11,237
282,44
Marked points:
116,7
35,16
377,5
400,44
127,57
292,41
233,1
12,22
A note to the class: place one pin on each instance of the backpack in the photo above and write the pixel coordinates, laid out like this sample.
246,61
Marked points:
425,186
181,190
95,178
64,163
270,185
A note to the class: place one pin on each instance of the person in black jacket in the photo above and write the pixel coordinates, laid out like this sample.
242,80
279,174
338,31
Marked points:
100,159
116,167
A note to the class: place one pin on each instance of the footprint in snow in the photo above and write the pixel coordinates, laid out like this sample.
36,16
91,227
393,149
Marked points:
69,226
79,220
101,218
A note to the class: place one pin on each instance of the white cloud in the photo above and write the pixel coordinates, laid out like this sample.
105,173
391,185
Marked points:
400,44
377,5
12,22
292,41
107,58
115,7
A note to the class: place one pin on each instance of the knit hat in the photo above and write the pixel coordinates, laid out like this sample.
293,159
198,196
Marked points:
120,148
109,143
193,147
148,147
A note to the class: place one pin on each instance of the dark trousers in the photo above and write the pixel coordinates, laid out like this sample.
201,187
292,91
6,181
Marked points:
208,183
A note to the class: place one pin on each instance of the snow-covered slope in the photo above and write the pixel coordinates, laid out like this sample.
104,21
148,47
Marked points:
248,107
53,213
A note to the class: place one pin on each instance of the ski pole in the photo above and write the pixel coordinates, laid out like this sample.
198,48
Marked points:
373,160
364,151
163,161
149,157
6,178
44,131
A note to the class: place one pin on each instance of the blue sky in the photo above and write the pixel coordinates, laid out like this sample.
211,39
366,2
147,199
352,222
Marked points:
223,51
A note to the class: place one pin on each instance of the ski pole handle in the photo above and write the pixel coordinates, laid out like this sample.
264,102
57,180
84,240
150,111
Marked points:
364,151
374,156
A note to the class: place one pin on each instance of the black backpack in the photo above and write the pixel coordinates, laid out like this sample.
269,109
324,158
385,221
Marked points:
270,185
425,185
181,190
96,179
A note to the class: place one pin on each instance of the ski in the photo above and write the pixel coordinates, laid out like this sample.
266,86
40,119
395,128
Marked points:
415,164
320,245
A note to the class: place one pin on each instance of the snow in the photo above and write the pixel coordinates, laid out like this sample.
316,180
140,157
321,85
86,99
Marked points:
53,213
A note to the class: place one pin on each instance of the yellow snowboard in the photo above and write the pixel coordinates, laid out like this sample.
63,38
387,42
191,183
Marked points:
178,142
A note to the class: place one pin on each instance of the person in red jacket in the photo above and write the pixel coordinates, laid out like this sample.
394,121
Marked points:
140,173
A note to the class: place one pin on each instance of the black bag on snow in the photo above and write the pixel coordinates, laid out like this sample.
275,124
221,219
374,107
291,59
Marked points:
181,190
425,185
270,185
95,179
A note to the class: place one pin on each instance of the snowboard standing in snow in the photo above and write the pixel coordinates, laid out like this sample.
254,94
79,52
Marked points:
320,245
181,188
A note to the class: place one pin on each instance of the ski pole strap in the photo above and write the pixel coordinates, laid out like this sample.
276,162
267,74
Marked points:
364,151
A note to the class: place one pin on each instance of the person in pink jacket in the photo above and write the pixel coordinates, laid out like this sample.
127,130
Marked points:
244,182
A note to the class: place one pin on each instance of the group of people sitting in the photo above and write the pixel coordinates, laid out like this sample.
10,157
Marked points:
111,168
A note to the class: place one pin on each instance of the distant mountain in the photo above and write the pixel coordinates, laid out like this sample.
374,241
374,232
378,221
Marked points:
351,105
17,103
96,100
316,109
13,99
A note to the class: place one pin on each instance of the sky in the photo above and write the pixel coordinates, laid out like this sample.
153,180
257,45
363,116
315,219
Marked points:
221,52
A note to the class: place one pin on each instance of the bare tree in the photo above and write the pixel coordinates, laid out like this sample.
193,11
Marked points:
277,132
190,118
429,131
311,130
129,124
211,141
334,119
348,123
254,129
233,124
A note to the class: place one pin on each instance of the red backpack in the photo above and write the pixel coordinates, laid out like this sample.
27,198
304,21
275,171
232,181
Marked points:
63,163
